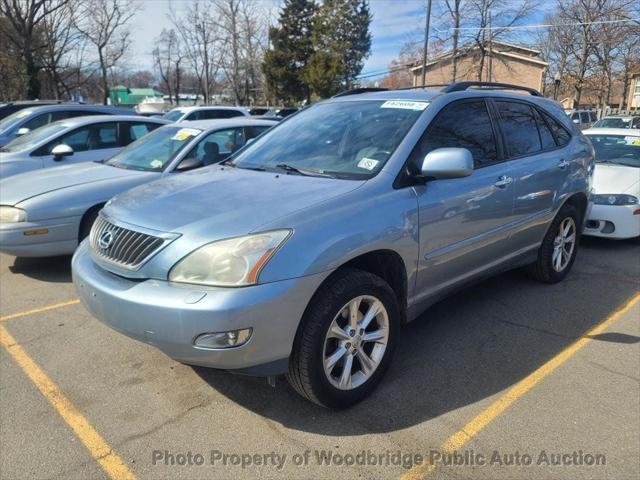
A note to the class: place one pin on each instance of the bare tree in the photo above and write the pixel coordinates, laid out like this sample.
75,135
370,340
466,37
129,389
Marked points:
198,31
21,29
105,25
167,57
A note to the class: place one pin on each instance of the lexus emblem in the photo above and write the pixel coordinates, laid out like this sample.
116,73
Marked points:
105,240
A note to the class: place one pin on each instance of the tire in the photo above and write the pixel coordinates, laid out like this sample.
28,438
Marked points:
307,372
546,268
86,223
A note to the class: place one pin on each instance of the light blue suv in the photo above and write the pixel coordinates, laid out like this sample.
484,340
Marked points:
306,252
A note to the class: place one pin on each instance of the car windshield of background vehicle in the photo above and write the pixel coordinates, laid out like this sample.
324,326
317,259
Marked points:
32,139
351,139
613,123
173,115
12,119
154,151
618,149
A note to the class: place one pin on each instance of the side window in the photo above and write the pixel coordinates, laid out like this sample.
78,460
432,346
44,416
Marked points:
546,137
193,116
139,130
460,124
575,116
519,128
584,117
635,123
37,122
562,136
217,146
593,116
229,114
253,132
91,137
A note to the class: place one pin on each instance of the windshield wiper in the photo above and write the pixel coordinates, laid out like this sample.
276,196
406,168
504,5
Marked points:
310,172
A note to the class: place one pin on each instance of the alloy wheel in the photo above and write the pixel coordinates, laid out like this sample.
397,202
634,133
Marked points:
355,342
564,244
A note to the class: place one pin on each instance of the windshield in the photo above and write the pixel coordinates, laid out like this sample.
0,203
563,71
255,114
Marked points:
34,138
173,115
11,120
351,139
619,149
613,123
154,151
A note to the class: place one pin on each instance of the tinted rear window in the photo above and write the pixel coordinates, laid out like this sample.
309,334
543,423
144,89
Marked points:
519,127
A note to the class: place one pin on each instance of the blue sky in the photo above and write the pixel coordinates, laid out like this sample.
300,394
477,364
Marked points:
394,22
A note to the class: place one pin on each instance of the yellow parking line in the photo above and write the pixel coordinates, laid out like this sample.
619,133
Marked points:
458,439
38,310
110,462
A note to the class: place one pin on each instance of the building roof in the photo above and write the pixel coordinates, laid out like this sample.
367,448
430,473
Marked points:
496,52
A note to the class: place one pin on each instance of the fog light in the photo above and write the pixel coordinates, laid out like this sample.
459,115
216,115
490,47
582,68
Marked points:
233,338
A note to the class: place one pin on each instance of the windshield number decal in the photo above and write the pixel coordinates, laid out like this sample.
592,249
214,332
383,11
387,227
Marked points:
405,105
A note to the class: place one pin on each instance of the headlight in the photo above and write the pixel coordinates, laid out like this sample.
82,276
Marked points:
234,262
12,215
615,199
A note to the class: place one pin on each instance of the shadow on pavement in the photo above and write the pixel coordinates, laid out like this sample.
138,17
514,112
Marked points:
464,349
48,269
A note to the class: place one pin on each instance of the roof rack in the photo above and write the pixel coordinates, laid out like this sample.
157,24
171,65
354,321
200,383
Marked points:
356,91
461,86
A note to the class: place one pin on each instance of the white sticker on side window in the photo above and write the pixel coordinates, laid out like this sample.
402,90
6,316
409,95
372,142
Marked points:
407,105
368,163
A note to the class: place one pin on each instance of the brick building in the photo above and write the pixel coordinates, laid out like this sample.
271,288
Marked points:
509,64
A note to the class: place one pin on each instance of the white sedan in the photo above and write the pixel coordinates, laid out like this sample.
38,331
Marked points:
616,183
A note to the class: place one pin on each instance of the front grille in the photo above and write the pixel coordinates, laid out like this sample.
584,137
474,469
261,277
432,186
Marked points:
120,245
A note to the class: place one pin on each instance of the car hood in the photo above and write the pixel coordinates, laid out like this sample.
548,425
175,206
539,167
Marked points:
21,187
218,202
609,178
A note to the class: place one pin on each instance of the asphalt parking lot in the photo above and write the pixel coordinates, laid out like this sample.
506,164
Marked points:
512,375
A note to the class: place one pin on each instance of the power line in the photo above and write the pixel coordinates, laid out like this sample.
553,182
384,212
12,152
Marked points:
540,25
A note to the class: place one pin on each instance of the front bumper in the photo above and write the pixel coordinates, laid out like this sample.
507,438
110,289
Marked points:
170,316
613,221
46,238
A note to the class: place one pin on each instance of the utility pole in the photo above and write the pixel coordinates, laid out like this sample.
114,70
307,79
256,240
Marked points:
490,67
426,44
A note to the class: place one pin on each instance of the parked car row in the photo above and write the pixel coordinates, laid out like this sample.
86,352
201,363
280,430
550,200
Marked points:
300,247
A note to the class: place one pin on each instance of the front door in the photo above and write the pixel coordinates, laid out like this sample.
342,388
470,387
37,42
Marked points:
89,143
464,223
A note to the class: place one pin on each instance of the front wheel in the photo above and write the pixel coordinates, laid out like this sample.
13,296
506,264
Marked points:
559,247
346,339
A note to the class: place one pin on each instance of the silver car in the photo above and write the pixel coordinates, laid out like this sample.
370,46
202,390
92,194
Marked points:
28,119
74,140
307,251
47,212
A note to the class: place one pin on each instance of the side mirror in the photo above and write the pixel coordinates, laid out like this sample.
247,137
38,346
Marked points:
444,163
576,120
22,131
61,151
189,163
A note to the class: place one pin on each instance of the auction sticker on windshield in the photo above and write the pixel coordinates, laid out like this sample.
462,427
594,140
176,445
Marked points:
185,133
632,140
368,163
404,104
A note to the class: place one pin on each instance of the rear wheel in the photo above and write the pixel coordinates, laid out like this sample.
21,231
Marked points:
559,247
346,339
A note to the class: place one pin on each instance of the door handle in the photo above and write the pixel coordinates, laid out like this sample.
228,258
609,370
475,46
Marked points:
563,164
503,181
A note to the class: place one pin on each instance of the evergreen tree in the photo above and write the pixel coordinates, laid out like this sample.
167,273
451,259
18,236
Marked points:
342,42
291,48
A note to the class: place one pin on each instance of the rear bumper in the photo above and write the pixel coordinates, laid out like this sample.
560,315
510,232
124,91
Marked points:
46,238
170,316
613,221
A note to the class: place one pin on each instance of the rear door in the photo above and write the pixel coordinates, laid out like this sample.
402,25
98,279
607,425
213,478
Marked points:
539,162
464,222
